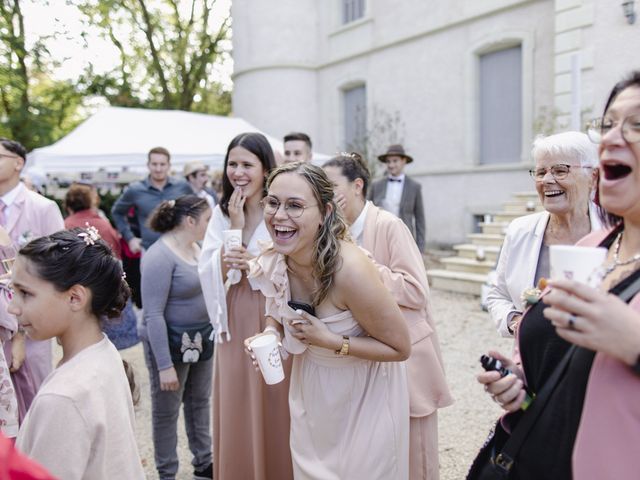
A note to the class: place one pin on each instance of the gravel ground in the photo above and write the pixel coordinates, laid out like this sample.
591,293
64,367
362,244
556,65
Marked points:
465,333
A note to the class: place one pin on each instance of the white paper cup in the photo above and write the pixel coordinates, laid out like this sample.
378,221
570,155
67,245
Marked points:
265,348
576,263
232,238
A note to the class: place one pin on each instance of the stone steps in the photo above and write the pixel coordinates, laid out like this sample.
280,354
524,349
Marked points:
526,196
469,250
508,216
522,207
494,227
462,282
483,239
467,271
468,265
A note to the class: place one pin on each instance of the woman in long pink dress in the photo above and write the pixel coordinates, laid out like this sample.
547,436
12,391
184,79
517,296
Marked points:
250,419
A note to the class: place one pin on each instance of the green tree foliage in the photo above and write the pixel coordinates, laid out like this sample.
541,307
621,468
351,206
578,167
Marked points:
168,50
34,109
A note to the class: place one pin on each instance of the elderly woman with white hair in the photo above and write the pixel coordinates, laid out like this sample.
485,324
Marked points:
565,174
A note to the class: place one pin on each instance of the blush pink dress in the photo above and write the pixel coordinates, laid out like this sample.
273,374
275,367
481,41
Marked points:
349,416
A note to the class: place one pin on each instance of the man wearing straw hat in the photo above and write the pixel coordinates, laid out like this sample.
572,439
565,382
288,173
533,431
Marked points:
196,174
399,194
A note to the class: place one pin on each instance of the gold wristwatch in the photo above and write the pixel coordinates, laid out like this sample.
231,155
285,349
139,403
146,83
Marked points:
345,346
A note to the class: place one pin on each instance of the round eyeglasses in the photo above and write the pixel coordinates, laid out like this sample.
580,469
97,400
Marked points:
559,171
294,208
599,127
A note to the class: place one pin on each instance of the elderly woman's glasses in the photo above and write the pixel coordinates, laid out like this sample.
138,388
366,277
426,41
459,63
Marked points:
599,127
293,208
559,171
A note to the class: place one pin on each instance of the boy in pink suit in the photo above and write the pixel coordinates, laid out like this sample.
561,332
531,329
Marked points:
25,215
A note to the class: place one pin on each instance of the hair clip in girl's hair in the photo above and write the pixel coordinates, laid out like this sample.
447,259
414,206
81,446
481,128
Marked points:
171,203
351,155
124,275
90,235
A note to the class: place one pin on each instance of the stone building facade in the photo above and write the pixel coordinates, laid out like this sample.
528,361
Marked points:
471,82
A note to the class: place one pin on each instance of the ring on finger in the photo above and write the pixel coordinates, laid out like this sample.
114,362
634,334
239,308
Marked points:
571,321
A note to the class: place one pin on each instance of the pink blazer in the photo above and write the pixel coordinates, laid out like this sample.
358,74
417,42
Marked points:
402,270
37,216
608,441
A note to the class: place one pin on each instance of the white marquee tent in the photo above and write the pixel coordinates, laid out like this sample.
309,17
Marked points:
117,139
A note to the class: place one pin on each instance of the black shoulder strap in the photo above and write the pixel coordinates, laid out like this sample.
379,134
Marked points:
630,291
505,459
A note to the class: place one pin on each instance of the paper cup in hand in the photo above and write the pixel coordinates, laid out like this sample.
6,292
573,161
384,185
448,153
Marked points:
267,353
581,264
232,238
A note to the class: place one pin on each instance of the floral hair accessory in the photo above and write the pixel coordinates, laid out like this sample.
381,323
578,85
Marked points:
124,275
90,235
171,203
351,155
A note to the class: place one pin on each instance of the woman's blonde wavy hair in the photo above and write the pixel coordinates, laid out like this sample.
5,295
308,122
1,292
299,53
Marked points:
326,248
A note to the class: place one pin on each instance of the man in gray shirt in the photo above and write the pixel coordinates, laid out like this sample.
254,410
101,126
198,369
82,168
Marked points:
144,196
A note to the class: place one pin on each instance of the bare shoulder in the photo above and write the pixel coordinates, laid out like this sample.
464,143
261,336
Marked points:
354,266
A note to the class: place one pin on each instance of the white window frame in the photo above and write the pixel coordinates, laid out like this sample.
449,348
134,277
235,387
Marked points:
348,17
343,91
489,44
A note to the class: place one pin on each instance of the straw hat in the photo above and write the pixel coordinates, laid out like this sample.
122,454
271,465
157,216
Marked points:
193,167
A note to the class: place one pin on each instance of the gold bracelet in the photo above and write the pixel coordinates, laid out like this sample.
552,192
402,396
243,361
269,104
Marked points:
345,346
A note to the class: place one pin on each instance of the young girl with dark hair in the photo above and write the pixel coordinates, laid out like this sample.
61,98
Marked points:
81,203
250,418
81,423
178,346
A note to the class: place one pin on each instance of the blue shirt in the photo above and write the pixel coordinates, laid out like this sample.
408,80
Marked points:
144,197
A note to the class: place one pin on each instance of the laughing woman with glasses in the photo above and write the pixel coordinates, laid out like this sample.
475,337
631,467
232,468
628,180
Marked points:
590,425
348,393
564,175
250,418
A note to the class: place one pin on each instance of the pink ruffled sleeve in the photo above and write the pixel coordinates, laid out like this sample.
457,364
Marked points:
268,273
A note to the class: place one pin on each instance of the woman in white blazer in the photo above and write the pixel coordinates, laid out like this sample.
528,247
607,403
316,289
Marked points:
564,176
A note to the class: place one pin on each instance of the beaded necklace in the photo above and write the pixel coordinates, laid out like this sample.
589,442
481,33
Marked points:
616,258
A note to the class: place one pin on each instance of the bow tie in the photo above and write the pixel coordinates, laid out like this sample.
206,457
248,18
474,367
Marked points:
394,179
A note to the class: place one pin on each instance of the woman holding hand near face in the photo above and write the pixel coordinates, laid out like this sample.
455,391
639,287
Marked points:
250,418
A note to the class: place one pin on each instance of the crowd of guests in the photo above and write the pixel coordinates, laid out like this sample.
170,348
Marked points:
331,264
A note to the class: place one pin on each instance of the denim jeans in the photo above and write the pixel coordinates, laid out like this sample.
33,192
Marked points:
195,393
